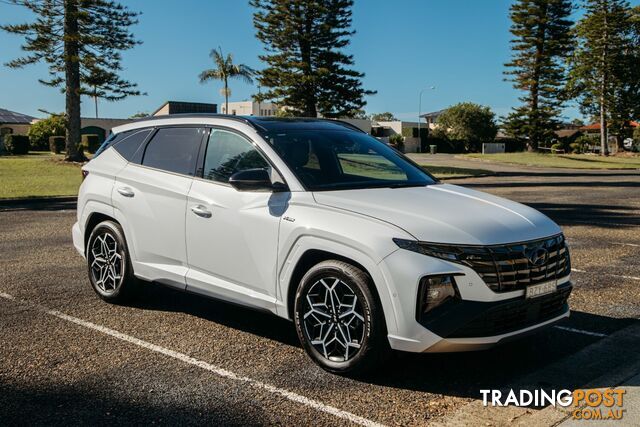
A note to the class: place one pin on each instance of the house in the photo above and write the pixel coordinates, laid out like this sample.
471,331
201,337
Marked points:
409,130
432,118
594,128
250,108
14,123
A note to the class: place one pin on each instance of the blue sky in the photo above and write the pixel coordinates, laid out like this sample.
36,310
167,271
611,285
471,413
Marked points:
458,46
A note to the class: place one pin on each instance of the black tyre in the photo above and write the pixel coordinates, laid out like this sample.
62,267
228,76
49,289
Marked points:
339,320
109,264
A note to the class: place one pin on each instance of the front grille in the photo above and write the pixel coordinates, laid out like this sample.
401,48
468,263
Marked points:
507,268
515,315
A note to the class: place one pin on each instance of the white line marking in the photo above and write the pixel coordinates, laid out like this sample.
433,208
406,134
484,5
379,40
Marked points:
626,244
580,331
294,397
625,277
609,274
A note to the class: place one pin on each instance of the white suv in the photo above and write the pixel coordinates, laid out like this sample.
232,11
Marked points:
317,222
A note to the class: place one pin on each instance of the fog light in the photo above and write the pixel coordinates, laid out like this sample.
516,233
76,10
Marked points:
435,291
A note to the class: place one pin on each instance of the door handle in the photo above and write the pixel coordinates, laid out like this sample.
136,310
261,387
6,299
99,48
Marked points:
201,211
126,191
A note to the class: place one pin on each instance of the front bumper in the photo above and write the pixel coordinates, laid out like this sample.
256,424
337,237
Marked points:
470,325
480,318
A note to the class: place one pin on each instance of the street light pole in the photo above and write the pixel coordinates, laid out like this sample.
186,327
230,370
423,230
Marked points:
419,113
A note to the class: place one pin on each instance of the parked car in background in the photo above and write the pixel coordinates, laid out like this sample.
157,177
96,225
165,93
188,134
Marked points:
320,223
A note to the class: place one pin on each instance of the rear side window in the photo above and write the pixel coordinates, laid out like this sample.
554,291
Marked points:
174,150
129,145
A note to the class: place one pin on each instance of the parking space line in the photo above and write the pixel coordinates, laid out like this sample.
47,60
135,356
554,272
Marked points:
626,244
622,276
581,331
291,396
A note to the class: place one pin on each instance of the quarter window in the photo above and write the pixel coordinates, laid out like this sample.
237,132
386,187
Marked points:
174,150
128,146
228,153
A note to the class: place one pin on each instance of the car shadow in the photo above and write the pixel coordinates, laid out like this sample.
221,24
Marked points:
451,374
600,215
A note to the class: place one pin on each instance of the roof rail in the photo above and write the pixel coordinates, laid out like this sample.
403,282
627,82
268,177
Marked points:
201,115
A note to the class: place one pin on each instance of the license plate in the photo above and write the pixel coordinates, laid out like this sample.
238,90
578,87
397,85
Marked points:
541,289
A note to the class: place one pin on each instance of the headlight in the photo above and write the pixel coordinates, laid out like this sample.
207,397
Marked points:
447,252
433,292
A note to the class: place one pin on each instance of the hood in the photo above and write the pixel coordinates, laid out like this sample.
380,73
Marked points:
444,213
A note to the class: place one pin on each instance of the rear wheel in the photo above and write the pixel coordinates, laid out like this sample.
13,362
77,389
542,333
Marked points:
108,263
339,320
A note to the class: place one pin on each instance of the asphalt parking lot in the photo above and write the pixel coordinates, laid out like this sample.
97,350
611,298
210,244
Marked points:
66,357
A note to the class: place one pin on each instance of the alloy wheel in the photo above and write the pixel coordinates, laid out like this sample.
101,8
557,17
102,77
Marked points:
106,263
333,319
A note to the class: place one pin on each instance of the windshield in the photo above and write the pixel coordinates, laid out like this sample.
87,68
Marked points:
340,160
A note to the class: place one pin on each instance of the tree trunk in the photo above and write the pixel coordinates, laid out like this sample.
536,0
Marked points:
604,144
226,96
310,100
72,79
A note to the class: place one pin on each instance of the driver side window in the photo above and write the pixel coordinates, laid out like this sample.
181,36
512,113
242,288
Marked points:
228,153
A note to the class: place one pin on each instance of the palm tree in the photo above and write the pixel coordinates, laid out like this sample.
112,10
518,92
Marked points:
225,70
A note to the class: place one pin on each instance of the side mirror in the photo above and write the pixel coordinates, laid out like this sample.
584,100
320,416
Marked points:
255,180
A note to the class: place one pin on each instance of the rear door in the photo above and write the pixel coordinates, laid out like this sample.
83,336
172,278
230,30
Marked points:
150,196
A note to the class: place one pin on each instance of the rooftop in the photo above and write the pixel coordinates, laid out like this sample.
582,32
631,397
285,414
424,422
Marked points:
13,118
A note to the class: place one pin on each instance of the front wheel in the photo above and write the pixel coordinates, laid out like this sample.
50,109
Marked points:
108,262
339,320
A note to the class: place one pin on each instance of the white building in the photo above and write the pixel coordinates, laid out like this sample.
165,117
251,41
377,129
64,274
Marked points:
250,108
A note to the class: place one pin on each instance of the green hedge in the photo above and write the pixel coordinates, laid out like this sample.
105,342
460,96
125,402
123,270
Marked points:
57,144
16,144
90,143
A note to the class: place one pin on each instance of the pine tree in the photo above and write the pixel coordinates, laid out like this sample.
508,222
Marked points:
80,41
307,70
604,68
541,41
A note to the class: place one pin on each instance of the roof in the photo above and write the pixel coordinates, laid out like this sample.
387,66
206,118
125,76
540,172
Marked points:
13,118
182,107
433,114
566,133
596,126
262,124
271,124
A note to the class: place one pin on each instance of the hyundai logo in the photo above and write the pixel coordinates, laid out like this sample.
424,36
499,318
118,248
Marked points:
537,256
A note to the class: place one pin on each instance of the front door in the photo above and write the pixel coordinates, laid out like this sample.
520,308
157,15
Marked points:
232,236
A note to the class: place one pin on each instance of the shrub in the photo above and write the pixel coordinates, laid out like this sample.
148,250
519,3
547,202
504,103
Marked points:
90,143
580,145
57,144
41,131
397,141
16,144
557,147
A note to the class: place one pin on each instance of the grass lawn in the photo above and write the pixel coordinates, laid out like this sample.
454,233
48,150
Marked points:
444,172
38,175
572,161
